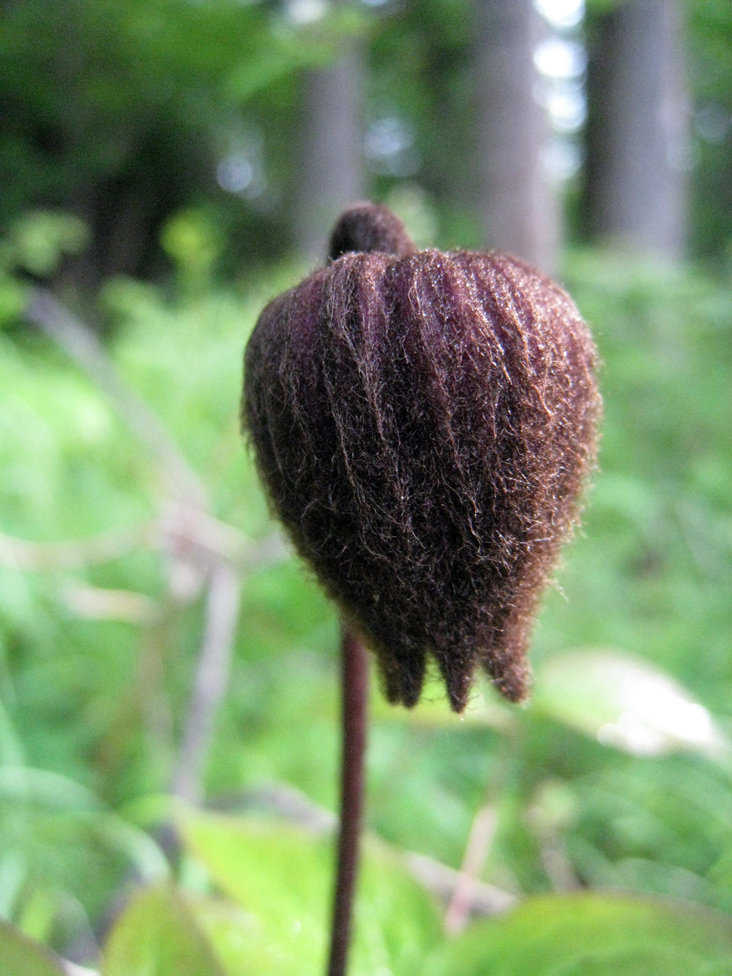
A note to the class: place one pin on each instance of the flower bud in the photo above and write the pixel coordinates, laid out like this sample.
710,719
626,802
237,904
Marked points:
423,423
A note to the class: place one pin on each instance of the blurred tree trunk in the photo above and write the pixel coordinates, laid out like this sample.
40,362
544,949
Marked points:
637,132
332,155
518,203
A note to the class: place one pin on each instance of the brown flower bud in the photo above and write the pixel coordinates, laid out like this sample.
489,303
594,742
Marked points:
423,423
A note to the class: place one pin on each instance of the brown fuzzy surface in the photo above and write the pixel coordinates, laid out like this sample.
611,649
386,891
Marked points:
423,423
369,227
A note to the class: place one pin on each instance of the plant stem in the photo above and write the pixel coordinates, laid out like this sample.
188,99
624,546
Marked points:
481,835
355,687
212,678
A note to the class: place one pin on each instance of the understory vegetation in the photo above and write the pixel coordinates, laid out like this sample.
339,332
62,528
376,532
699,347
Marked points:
603,809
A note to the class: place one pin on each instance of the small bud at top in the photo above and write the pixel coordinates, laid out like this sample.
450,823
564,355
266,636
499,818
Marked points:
368,227
423,423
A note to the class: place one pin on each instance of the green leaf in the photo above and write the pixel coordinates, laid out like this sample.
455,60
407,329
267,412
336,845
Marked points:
626,703
45,788
314,45
157,935
20,956
593,935
276,871
245,944
281,879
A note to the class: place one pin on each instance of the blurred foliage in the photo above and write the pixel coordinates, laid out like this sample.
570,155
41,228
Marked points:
598,787
710,54
583,935
126,113
21,955
120,112
115,117
281,877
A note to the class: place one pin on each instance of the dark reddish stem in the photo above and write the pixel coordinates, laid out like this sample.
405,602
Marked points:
355,690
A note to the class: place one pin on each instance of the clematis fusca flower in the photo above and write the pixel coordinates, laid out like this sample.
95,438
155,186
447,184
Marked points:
423,423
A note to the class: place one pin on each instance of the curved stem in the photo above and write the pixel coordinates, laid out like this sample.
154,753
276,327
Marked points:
355,686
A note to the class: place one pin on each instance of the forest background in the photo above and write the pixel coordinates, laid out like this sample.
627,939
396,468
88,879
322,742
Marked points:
168,691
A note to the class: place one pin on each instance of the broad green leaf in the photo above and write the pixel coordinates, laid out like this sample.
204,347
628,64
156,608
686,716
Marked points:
21,956
626,703
157,935
276,873
281,880
245,944
593,935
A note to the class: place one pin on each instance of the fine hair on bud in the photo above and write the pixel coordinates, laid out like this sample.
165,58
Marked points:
423,423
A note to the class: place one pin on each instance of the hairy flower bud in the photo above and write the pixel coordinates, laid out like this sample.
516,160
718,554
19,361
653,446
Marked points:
423,423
